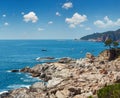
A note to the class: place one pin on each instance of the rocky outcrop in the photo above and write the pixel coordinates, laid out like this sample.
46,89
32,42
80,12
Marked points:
70,78
109,55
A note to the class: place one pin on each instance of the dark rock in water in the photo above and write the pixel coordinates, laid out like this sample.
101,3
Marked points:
14,70
43,50
65,60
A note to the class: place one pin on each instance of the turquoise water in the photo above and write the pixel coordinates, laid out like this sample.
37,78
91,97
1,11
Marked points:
16,54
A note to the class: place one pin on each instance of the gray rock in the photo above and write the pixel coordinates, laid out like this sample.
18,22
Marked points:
59,95
38,85
54,82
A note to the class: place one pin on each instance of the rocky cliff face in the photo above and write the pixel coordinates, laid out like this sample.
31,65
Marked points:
70,78
110,54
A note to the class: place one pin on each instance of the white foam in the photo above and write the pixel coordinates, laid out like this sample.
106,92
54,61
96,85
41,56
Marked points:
15,86
8,71
3,92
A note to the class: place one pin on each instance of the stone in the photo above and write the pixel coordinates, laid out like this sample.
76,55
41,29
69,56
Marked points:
89,56
14,70
54,82
65,60
74,91
38,85
60,95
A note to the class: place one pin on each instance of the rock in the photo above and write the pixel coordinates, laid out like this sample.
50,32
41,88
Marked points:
54,82
26,69
60,95
103,71
78,96
110,54
74,91
14,70
35,74
52,96
43,75
43,50
38,85
64,60
3,95
89,56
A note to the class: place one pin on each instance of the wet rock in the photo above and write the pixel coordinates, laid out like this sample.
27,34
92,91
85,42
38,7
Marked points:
26,69
65,60
15,70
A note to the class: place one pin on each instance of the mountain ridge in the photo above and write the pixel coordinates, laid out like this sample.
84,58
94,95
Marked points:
114,35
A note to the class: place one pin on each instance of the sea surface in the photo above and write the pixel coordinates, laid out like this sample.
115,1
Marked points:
16,54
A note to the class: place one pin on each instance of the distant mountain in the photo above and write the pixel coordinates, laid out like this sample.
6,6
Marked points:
114,35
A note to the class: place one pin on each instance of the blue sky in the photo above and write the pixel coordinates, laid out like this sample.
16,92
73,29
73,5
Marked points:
57,19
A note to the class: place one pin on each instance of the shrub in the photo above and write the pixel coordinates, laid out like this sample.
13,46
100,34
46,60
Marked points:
111,91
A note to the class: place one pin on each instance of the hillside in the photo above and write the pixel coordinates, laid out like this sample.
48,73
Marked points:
114,35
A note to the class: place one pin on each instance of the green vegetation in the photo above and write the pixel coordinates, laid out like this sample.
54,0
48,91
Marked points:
90,97
109,42
111,91
115,35
115,44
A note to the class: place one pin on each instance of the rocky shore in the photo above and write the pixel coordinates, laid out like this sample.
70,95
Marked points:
69,78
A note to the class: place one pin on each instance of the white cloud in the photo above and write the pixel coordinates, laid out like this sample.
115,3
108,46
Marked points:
76,20
31,16
50,22
106,23
88,28
6,24
4,15
41,29
58,14
67,5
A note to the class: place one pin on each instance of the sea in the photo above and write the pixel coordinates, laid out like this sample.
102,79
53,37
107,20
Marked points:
17,54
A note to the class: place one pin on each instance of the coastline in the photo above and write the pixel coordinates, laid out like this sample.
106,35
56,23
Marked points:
69,78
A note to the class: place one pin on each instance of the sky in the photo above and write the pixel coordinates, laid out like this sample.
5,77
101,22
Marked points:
57,19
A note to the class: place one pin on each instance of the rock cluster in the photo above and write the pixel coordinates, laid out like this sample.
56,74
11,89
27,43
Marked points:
70,78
